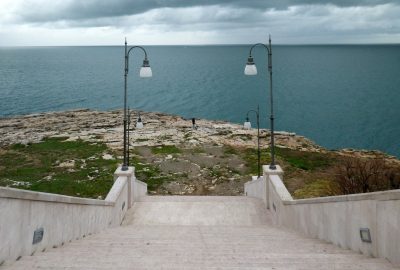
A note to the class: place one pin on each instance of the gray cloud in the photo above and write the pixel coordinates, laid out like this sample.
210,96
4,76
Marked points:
43,22
34,11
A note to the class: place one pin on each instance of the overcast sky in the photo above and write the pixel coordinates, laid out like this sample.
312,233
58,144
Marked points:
164,22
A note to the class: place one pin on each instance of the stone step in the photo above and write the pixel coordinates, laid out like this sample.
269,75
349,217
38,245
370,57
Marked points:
118,252
259,257
197,210
170,233
156,264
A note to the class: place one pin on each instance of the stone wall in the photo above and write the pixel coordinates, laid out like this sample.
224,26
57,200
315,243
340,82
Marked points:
257,189
336,219
61,218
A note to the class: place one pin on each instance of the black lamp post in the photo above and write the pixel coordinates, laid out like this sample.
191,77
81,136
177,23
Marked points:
247,125
252,70
139,125
145,72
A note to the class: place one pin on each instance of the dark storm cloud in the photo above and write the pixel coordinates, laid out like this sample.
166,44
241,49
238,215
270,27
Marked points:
74,10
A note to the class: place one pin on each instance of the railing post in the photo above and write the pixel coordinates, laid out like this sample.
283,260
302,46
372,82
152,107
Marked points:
130,175
267,172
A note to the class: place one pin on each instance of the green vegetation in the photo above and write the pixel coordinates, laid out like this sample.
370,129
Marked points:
251,158
198,150
216,172
165,137
318,188
77,168
304,160
149,173
229,150
74,168
224,132
244,137
305,172
166,149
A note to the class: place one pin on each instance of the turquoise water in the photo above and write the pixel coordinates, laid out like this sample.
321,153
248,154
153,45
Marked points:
339,96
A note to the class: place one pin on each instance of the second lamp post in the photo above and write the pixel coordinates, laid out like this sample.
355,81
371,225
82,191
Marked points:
247,125
139,125
252,70
145,72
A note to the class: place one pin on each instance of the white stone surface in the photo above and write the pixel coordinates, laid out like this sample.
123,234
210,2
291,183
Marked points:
180,244
336,219
130,174
139,189
256,189
197,210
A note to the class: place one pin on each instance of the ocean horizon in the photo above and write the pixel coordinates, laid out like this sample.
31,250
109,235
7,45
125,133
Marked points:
207,44
340,96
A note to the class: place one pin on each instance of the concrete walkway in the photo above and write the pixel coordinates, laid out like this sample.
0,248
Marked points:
198,233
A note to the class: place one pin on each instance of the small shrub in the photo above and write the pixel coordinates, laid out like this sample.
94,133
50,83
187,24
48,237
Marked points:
166,149
229,150
393,176
357,175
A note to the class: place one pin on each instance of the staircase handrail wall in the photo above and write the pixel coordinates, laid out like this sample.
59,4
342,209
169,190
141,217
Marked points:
336,219
62,218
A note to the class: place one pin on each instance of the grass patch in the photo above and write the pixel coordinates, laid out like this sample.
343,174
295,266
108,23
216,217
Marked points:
250,157
224,132
165,137
244,137
229,150
198,150
305,160
318,188
216,172
165,150
149,174
37,167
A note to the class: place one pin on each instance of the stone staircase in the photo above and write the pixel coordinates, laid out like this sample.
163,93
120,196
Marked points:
174,232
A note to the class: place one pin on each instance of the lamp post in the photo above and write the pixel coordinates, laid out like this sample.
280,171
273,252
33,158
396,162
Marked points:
247,125
251,69
145,72
139,125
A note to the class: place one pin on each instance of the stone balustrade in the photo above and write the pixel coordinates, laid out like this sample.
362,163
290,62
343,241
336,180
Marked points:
336,219
51,220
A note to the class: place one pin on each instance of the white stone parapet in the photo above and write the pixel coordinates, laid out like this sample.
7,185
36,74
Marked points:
336,219
60,219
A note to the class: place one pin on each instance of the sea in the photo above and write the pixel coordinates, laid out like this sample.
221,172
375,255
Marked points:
340,96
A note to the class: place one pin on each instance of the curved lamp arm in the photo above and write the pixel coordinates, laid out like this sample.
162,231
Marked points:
258,44
251,68
247,114
145,70
145,61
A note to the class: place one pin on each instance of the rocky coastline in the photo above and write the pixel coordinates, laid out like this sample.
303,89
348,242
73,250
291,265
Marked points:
160,129
215,158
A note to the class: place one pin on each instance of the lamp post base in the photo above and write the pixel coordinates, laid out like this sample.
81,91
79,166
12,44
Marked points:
277,171
272,166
